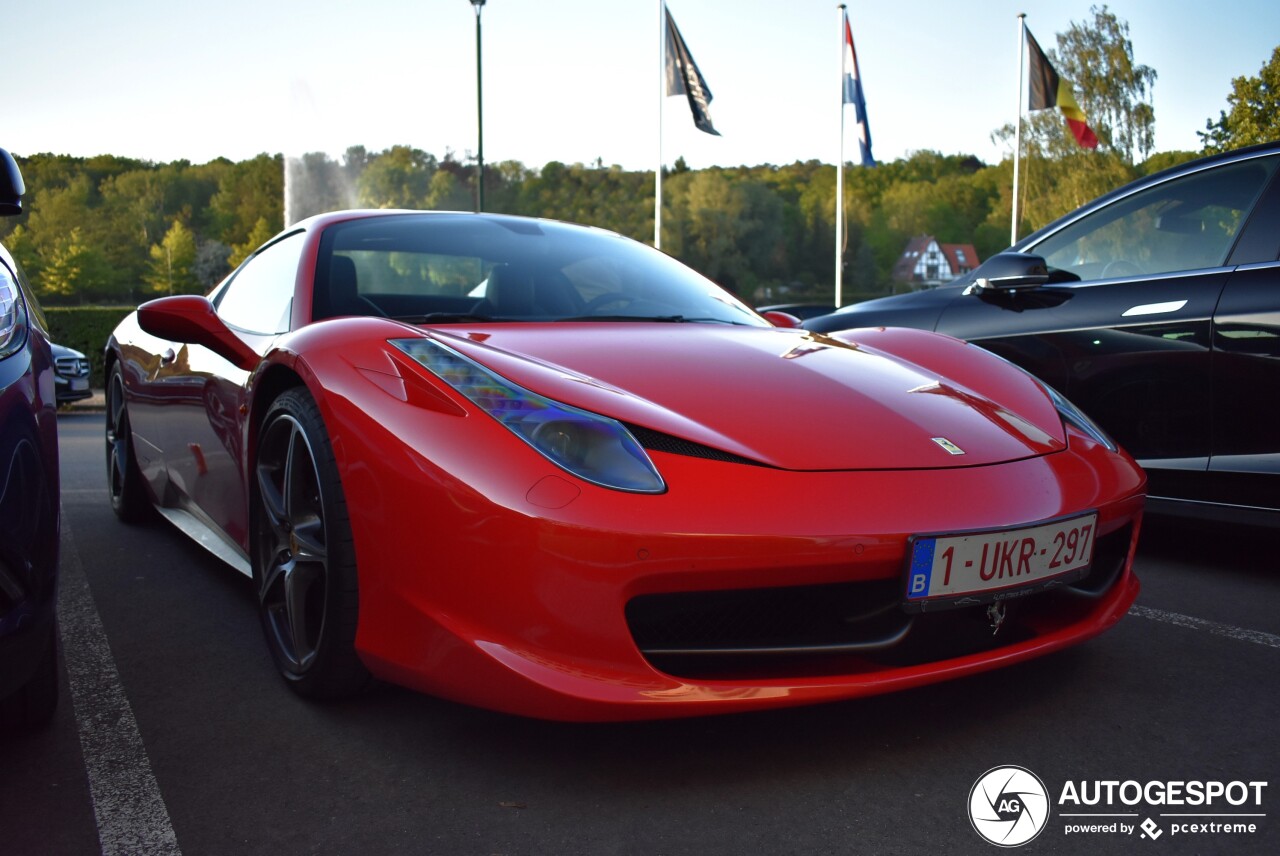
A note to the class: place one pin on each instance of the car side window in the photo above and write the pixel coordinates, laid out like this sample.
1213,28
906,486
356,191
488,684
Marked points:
1187,223
259,297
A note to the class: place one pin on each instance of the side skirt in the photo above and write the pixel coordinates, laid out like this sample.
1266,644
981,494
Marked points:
207,537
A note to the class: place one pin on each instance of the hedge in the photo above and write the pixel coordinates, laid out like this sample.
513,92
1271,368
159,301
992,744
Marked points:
86,328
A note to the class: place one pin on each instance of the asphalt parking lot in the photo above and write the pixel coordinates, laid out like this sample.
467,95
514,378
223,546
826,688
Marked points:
176,735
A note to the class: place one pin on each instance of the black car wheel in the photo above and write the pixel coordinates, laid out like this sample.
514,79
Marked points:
303,553
28,587
124,479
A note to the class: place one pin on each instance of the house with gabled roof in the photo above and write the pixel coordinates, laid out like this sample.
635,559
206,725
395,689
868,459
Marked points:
927,264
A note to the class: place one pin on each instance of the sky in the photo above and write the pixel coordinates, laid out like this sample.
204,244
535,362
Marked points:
571,80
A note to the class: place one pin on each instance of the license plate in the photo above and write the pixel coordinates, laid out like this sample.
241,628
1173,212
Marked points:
980,567
79,383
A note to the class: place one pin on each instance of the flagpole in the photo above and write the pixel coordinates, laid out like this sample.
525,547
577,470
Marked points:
1017,132
662,92
840,171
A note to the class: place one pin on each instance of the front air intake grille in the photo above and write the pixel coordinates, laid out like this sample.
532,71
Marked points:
848,628
847,616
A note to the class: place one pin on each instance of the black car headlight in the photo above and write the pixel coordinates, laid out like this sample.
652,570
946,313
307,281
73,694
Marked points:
593,447
11,315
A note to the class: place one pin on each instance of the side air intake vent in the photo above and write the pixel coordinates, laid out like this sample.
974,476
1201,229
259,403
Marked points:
656,441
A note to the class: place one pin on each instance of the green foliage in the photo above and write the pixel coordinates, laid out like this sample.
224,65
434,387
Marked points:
115,231
400,178
261,232
86,328
71,266
1051,187
173,260
1115,91
1254,115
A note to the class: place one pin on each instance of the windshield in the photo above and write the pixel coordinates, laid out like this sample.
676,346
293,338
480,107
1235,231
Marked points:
444,268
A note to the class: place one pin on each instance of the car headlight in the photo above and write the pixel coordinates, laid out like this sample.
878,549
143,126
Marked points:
595,448
1070,414
11,315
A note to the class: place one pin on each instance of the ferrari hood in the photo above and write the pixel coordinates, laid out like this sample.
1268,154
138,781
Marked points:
784,398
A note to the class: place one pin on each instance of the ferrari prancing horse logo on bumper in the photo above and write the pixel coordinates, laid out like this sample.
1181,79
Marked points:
951,448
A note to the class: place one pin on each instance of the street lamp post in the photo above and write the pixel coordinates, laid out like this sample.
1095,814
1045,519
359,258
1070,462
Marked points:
479,4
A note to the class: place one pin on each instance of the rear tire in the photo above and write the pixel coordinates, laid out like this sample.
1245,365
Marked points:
124,478
304,566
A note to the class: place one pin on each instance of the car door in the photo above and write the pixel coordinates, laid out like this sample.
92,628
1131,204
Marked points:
1125,326
202,431
1245,466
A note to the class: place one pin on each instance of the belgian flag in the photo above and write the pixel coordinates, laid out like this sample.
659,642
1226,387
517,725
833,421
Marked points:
1049,90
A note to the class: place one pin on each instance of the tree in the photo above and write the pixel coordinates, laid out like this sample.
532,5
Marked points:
259,235
173,260
1114,92
249,192
400,177
1255,111
71,267
447,193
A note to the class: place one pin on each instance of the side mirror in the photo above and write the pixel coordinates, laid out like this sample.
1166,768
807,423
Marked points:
781,319
11,186
1012,272
191,318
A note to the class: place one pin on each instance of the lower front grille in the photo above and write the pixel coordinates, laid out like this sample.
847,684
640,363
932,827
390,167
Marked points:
843,628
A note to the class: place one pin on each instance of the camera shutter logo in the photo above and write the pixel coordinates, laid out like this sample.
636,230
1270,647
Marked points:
1008,806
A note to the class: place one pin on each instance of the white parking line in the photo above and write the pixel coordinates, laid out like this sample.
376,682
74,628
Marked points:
131,815
1257,637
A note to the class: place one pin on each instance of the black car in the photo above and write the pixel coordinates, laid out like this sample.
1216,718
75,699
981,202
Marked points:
28,492
1156,309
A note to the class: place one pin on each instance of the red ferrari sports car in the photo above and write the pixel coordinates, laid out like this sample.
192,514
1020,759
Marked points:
548,470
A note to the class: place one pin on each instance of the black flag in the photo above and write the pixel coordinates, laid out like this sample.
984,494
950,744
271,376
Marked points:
683,78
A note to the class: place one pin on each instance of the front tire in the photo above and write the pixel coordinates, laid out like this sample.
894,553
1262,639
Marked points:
304,565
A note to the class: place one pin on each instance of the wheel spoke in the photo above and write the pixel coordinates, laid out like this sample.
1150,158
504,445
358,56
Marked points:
272,502
308,541
272,584
299,583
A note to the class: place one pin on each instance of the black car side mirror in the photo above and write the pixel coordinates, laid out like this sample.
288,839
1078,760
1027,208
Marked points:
1011,272
11,186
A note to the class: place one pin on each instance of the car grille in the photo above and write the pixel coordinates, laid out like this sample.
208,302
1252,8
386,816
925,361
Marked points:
843,628
72,366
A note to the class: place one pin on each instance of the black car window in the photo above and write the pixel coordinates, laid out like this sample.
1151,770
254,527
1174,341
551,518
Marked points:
1186,223
259,297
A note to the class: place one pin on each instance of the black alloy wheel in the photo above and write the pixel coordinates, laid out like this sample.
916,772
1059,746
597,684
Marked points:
303,553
